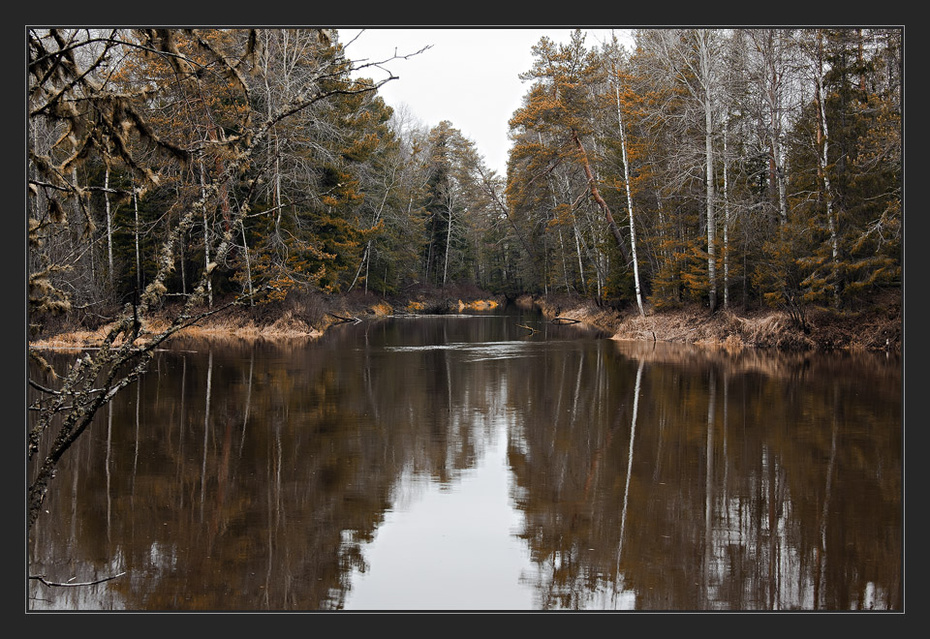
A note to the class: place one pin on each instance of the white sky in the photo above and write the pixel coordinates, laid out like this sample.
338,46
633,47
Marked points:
470,76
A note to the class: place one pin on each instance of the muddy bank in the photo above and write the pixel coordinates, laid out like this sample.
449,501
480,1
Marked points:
301,317
876,328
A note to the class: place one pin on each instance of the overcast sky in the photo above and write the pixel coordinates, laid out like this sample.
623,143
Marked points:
469,76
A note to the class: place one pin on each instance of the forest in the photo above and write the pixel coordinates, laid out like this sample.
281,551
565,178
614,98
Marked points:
744,167
207,169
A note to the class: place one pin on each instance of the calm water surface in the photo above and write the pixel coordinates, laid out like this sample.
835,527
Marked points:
465,462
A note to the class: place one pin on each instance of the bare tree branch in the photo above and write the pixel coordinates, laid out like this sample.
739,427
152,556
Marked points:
74,584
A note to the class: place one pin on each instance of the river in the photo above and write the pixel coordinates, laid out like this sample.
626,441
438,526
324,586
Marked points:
484,461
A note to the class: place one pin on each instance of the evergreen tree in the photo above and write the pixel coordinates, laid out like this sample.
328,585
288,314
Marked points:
553,129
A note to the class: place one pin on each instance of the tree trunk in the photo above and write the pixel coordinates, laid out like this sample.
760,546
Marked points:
206,237
773,70
248,266
584,285
726,225
711,221
592,185
106,193
823,134
445,266
135,202
709,169
629,204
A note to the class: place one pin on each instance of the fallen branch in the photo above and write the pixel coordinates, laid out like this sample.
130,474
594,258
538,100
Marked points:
72,584
564,320
529,328
345,320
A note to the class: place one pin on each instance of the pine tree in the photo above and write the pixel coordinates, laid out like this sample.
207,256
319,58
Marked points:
556,121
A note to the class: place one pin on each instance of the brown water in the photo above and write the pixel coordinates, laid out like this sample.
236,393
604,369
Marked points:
463,462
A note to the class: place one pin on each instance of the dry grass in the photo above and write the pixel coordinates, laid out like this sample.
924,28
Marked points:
228,327
74,340
876,328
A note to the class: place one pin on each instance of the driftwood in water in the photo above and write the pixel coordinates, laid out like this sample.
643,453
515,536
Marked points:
564,320
529,328
345,320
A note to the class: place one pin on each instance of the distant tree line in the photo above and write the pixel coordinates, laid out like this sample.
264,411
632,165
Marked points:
746,166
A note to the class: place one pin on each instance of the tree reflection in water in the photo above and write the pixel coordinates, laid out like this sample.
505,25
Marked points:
642,476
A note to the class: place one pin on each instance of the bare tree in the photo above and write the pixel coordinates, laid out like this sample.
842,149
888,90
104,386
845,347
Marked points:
692,60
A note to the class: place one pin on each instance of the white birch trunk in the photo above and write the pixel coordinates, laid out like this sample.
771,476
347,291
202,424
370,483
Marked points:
780,176
584,286
629,204
248,266
568,286
135,202
824,160
706,78
106,193
726,223
445,267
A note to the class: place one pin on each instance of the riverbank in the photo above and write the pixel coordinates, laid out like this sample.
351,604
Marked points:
878,327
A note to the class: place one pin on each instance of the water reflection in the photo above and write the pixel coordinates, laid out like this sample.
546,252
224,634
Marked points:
415,463
454,544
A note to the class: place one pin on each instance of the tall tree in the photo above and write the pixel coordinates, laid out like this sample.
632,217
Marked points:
622,97
690,60
456,203
560,105
852,144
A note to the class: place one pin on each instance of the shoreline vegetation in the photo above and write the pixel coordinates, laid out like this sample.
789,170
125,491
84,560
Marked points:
878,327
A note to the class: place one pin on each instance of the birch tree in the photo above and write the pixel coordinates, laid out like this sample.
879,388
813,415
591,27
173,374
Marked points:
621,94
690,59
706,91
774,80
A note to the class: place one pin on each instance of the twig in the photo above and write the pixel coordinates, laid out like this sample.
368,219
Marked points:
529,328
72,584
